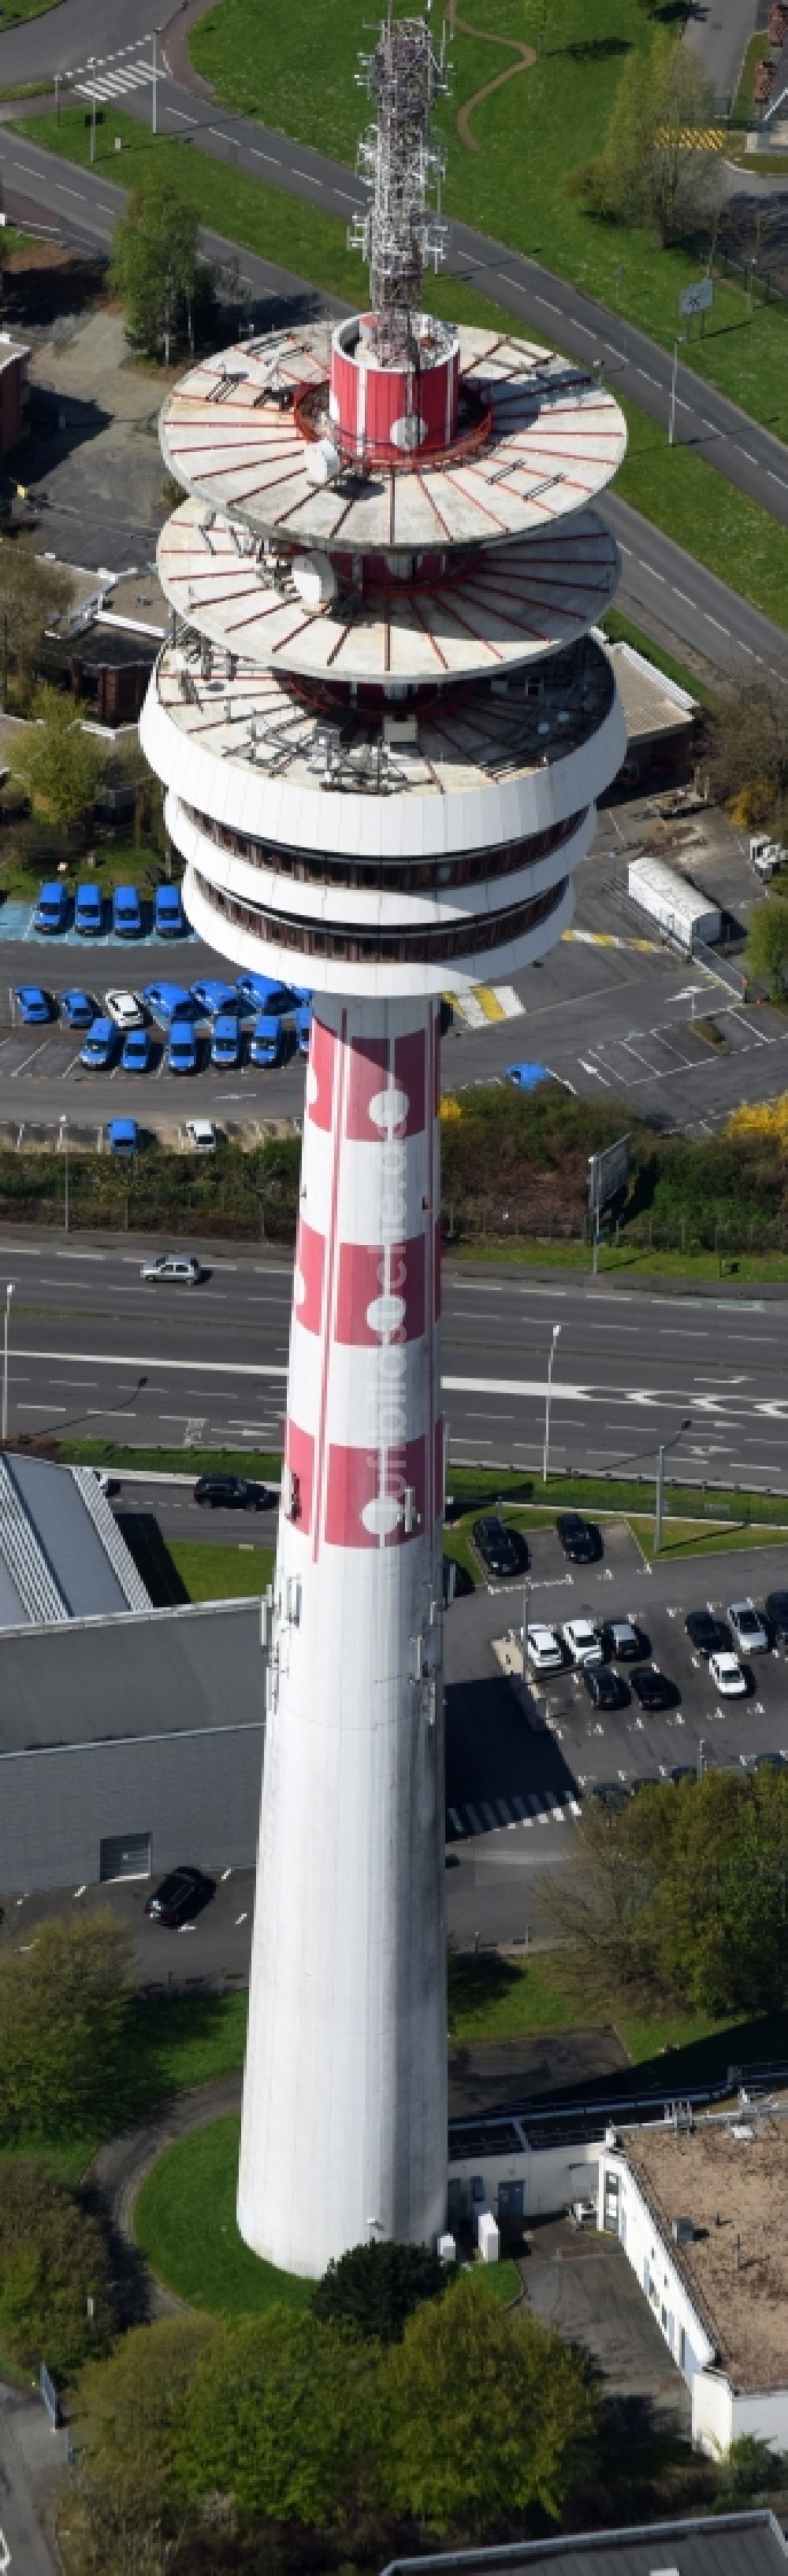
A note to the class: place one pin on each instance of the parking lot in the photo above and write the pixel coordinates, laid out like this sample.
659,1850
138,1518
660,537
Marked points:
505,1771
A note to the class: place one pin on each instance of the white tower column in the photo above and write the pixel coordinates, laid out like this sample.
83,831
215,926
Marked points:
344,2118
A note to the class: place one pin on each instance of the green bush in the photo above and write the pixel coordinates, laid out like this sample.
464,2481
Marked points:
53,2259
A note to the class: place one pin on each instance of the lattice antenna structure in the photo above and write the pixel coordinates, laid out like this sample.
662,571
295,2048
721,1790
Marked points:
401,232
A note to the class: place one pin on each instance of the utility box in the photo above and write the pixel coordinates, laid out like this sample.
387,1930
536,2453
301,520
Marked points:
447,2249
487,2237
674,903
766,855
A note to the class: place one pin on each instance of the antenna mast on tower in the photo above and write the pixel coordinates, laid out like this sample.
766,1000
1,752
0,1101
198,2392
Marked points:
400,232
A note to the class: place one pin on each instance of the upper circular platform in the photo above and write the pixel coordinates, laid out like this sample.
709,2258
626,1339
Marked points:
536,440
503,607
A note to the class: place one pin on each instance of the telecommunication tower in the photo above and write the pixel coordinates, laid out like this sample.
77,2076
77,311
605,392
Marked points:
383,722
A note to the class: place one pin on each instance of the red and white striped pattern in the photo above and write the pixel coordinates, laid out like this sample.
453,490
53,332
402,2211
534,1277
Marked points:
363,1443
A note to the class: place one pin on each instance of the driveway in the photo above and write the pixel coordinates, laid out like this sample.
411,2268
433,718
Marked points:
719,32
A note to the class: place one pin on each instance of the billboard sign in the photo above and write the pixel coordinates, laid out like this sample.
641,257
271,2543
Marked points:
607,1174
697,299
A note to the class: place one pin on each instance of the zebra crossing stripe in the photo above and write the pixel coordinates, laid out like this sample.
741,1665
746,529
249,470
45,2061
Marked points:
476,1822
116,85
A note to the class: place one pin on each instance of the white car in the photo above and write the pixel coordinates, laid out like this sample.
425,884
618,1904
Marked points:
749,1633
125,1010
544,1651
200,1135
726,1673
581,1641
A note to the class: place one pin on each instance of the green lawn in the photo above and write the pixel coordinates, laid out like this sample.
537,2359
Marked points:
16,11
674,487
221,1573
184,2222
263,1466
494,1998
530,134
171,2043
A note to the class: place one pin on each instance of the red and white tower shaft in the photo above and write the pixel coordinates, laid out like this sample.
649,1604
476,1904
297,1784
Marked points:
347,2032
383,720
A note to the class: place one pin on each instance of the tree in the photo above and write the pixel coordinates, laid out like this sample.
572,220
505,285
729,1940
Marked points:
53,2257
63,2005
652,171
31,595
486,2415
767,945
283,2418
375,2288
748,752
126,2515
681,1894
157,271
62,764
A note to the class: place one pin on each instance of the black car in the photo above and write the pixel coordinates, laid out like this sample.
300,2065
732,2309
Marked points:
683,1771
709,1635
580,1539
502,1550
609,1793
605,1688
645,1780
232,1494
777,1614
769,1762
652,1688
182,1894
623,1641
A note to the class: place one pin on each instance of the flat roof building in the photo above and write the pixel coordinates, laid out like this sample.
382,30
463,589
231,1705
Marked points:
733,2544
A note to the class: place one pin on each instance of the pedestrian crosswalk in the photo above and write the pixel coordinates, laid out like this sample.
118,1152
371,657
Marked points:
116,83
488,1815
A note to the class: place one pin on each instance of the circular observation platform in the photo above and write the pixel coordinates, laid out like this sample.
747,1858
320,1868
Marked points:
250,433
489,763
493,610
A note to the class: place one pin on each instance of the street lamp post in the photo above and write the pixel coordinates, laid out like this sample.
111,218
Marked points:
672,420
91,68
64,1144
548,1397
665,1445
8,1296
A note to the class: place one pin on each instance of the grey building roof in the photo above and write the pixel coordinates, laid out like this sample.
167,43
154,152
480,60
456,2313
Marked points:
741,2544
62,1556
106,1681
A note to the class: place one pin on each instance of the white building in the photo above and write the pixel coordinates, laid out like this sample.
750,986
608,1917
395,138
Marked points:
700,2209
383,723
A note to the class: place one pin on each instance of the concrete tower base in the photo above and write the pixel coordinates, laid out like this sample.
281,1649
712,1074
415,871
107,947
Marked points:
344,2115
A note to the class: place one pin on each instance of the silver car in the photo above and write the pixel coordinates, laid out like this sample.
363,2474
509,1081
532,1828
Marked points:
178,1266
747,1628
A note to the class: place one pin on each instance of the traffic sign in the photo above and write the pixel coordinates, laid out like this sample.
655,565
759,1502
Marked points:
697,299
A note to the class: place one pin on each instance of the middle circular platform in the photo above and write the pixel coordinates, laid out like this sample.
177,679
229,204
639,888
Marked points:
501,607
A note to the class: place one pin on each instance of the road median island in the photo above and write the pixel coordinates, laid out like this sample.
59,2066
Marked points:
675,489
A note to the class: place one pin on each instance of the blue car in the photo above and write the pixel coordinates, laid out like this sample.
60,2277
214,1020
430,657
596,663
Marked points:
168,916
126,914
78,1009
88,911
226,1041
136,1051
33,1005
303,1028
123,1136
526,1076
100,1047
212,997
51,912
168,1002
258,991
181,1052
267,1041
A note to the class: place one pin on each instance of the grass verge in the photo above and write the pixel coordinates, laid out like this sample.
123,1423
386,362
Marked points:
673,487
530,135
209,1573
495,1998
185,2225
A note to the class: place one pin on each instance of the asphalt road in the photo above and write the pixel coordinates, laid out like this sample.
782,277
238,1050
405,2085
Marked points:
663,588
24,2551
719,31
94,1352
